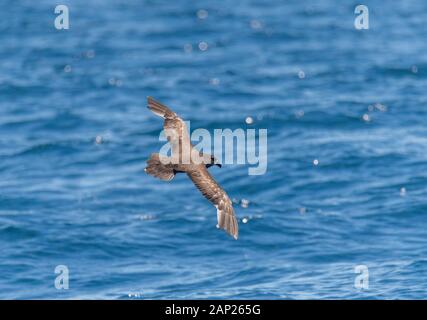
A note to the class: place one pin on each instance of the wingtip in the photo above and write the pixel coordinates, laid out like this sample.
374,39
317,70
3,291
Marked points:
149,100
235,236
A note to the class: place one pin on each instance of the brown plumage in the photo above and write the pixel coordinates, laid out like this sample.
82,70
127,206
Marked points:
165,168
159,169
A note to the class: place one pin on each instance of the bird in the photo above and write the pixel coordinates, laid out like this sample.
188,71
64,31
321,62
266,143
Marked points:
187,159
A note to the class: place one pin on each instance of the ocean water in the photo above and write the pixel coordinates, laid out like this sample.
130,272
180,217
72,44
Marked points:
346,184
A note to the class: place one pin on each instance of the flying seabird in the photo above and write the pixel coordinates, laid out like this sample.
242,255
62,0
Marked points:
165,168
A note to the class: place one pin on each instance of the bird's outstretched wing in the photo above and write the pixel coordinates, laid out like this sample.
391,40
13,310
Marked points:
215,194
160,109
174,127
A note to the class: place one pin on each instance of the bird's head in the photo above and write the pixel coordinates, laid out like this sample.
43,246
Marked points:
213,162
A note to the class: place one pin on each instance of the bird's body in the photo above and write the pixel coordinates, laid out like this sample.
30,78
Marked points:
186,159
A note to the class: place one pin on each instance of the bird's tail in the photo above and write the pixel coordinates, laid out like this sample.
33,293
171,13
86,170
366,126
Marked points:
158,166
159,109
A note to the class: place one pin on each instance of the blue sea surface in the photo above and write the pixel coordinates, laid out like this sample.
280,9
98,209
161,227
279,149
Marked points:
346,114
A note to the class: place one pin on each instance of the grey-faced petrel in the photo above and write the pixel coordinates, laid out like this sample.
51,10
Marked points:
165,168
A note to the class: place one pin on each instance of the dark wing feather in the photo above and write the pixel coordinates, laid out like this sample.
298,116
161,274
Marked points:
174,127
160,109
160,167
215,194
